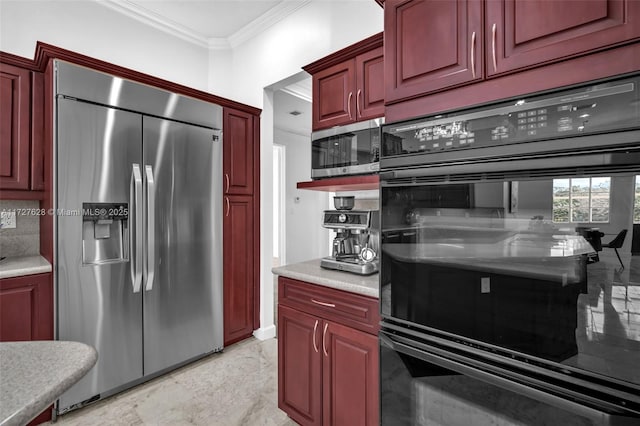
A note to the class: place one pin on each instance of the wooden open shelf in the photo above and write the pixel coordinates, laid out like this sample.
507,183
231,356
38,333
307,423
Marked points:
345,183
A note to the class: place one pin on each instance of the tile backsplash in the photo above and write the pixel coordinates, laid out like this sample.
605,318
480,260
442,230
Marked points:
24,240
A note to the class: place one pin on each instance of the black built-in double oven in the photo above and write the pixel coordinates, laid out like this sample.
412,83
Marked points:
507,295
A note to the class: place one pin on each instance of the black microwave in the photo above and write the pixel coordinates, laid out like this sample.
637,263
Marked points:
353,149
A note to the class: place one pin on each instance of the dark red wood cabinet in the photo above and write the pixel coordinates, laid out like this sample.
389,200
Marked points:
327,355
26,313
238,152
333,95
239,268
349,376
21,132
370,84
240,224
348,85
431,45
26,308
528,33
300,366
15,121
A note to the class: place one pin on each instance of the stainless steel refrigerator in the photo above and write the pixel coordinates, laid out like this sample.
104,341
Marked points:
138,229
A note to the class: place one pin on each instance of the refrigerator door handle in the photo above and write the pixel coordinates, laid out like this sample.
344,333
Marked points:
151,226
135,253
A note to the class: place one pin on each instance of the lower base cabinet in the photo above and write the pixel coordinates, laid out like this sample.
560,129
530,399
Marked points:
327,371
26,313
26,308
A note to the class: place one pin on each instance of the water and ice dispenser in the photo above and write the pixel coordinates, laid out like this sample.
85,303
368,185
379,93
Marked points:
105,233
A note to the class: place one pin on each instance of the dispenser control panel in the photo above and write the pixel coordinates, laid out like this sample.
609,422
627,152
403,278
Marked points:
105,233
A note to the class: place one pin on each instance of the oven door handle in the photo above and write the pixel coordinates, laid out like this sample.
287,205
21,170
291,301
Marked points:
475,372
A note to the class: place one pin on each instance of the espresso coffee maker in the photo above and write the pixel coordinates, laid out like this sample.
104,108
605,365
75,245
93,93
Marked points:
356,244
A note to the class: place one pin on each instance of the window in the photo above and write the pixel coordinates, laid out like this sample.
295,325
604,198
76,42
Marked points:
582,199
636,202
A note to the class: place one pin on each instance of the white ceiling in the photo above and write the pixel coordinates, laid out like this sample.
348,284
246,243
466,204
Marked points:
209,18
283,104
217,24
223,24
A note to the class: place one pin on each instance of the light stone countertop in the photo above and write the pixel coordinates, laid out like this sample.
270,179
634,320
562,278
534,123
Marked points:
34,374
311,272
23,265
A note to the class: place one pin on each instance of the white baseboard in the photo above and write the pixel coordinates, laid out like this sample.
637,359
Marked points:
264,333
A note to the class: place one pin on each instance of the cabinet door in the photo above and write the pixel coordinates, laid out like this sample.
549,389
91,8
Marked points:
430,45
526,33
26,308
299,366
334,95
14,127
370,84
350,376
238,153
238,267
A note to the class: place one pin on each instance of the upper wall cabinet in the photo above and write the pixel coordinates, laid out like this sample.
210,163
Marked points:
348,85
15,116
238,152
527,33
21,130
432,45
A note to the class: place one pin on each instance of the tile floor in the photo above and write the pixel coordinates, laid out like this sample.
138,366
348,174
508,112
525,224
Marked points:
236,387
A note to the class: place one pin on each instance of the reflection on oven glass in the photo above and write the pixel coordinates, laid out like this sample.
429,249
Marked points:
608,331
416,392
538,266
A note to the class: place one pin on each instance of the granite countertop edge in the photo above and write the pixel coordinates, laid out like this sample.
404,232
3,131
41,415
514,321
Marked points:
20,266
79,358
311,272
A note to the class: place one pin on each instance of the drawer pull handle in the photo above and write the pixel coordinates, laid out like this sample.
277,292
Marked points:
315,328
328,305
324,335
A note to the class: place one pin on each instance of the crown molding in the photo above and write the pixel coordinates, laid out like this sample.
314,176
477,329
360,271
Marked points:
252,29
292,131
297,93
155,20
266,20
218,43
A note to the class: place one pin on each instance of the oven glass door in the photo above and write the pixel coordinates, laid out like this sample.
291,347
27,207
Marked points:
419,386
540,267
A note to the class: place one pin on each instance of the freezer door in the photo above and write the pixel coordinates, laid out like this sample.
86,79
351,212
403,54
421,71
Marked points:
183,276
96,148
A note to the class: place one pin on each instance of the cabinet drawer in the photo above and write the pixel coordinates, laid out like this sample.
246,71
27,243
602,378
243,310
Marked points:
353,310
